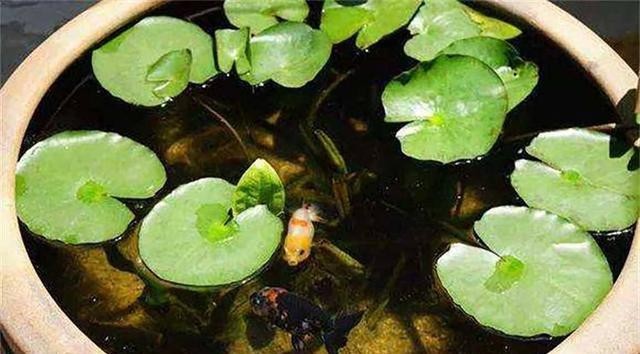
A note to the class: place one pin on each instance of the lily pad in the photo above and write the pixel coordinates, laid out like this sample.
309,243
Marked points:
373,19
66,185
232,47
580,178
442,22
171,72
127,65
456,106
288,53
178,244
519,76
540,275
259,15
259,184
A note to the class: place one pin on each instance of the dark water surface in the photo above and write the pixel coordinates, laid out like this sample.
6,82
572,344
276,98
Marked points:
403,212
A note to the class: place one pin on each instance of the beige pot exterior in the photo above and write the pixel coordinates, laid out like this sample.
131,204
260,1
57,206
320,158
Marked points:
33,322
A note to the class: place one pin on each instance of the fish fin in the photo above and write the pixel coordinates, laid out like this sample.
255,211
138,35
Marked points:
297,341
314,213
336,338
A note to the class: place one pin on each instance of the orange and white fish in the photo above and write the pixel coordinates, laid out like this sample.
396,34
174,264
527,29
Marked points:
297,244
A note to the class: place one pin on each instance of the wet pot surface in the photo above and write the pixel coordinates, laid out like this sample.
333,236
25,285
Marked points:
397,211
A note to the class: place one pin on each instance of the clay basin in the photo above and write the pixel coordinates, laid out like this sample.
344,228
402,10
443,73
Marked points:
31,320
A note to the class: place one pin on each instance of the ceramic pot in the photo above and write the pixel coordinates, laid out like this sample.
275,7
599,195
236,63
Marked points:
33,323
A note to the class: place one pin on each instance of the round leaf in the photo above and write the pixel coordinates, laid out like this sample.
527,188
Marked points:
171,72
259,15
541,274
580,179
232,47
185,239
123,65
374,19
438,24
66,184
258,185
288,53
442,22
457,105
519,77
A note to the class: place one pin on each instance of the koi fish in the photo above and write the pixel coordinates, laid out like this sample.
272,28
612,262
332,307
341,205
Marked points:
297,244
302,318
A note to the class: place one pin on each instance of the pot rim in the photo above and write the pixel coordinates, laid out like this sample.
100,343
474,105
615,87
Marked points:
43,327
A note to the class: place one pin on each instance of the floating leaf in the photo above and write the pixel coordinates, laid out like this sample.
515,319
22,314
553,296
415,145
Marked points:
519,77
123,64
259,15
374,19
232,47
456,104
442,22
171,72
288,53
492,27
579,179
541,274
67,184
258,185
184,239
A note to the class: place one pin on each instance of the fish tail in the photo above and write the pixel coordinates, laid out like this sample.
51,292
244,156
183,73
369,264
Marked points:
336,338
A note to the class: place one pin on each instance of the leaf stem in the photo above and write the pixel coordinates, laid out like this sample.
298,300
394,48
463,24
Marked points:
203,12
224,122
604,128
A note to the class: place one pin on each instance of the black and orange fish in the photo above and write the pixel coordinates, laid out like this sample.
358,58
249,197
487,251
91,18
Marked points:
302,318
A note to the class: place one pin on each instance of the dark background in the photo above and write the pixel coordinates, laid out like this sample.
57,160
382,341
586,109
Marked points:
25,23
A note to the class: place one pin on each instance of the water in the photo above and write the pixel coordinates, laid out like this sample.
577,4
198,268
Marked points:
402,213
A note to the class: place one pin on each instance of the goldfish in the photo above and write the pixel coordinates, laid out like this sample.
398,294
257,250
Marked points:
299,239
303,319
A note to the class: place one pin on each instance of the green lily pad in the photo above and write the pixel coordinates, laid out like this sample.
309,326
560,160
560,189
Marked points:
519,76
288,53
453,116
373,19
259,15
171,72
579,179
540,275
129,65
442,22
260,184
66,185
188,239
232,47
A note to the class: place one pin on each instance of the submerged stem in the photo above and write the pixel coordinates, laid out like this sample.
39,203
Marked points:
224,122
307,125
341,256
604,128
374,316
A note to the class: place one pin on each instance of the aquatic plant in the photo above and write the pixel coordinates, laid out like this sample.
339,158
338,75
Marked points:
455,105
148,63
541,274
192,237
583,176
67,185
439,23
259,15
371,20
